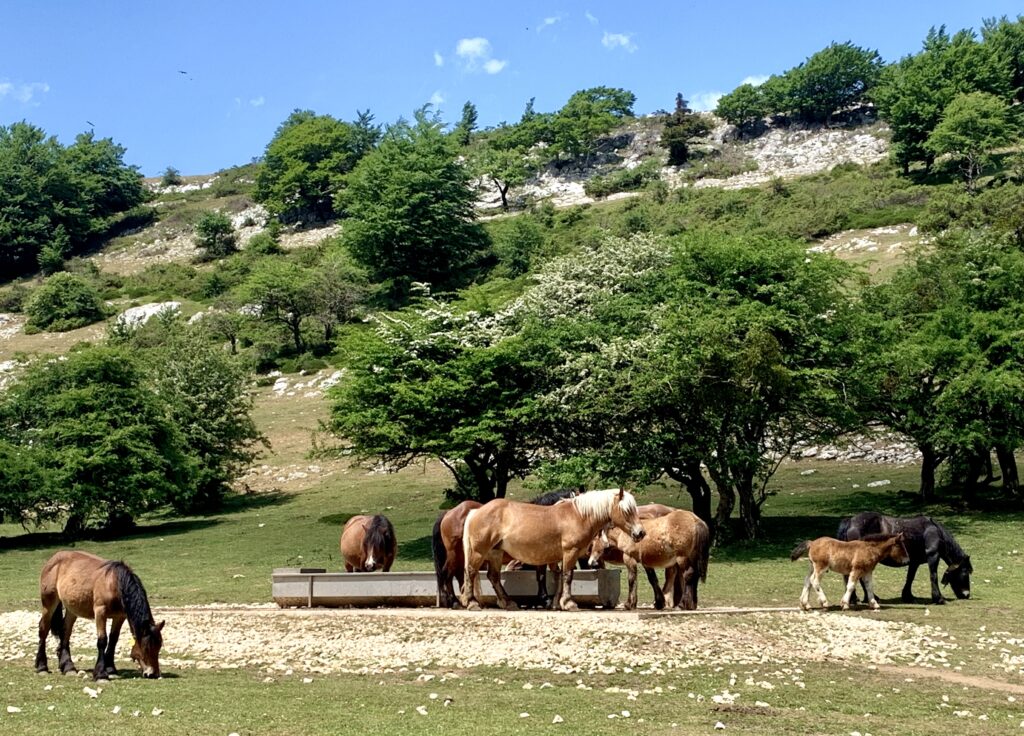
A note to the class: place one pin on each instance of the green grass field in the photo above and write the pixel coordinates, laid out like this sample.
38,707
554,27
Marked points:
227,557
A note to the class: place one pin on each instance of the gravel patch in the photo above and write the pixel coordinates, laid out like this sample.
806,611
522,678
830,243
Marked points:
587,642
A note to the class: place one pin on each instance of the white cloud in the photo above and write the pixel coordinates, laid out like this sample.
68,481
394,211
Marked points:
473,49
756,79
547,22
438,59
257,101
23,93
476,55
590,16
437,98
619,40
705,101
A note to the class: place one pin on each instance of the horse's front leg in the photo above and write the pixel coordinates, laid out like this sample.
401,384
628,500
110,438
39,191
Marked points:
846,582
933,574
908,594
115,632
850,587
565,601
659,596
542,586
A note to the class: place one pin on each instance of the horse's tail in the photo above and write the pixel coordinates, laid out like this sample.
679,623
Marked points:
57,621
844,529
440,553
703,550
800,550
466,542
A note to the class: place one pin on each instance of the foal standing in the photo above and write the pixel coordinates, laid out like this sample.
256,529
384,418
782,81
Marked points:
855,559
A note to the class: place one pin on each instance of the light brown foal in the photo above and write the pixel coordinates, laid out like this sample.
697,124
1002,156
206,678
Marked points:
856,559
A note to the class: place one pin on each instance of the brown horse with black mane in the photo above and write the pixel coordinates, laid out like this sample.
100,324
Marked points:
368,544
857,560
540,535
77,584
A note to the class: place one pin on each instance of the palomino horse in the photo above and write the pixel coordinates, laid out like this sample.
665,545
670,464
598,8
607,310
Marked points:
856,560
449,561
540,535
74,584
927,542
368,544
677,541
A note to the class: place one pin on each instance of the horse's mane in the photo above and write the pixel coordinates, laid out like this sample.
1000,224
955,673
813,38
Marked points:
953,549
380,534
552,497
133,597
881,537
598,504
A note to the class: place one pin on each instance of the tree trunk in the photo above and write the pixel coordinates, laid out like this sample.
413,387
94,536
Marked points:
483,481
726,502
750,510
929,461
503,191
689,475
296,327
1008,469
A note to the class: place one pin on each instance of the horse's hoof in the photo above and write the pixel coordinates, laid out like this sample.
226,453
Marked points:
844,607
939,601
44,670
70,673
570,606
511,606
473,606
907,598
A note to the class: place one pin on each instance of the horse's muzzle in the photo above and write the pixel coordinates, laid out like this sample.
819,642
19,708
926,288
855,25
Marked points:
638,535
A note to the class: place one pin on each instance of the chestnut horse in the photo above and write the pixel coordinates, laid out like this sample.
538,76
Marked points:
74,584
677,541
368,544
540,535
446,543
856,559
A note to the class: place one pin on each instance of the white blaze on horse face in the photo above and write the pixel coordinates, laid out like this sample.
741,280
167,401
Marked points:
371,564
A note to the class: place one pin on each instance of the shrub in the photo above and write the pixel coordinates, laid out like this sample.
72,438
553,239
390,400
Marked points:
65,301
13,298
215,236
171,177
263,244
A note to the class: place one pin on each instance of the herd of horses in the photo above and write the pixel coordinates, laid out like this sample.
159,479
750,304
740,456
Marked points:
559,529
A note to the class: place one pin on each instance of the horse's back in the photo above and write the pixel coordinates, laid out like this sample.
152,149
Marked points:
529,533
78,579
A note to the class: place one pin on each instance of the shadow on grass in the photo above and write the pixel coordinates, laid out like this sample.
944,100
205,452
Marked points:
416,549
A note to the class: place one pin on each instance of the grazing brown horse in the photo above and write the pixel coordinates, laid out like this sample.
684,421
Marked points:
77,584
368,544
540,535
677,541
856,559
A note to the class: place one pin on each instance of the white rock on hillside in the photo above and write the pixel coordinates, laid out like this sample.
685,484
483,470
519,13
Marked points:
138,316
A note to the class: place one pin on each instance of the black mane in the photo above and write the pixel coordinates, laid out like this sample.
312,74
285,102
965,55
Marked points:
380,534
553,497
133,598
954,552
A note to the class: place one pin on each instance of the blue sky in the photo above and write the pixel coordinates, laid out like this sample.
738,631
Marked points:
202,85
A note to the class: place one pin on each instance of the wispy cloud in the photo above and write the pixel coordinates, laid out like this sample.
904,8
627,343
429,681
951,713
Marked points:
25,93
705,101
548,22
438,59
591,17
475,55
619,41
756,79
258,101
437,98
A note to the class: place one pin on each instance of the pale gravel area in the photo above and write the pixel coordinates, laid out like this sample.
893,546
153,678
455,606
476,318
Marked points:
389,640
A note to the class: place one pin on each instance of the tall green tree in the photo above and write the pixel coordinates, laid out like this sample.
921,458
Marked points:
588,115
836,77
282,292
467,124
973,125
744,107
410,210
682,126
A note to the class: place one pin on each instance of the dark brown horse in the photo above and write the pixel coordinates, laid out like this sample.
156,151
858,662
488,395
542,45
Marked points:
77,584
677,541
540,535
368,544
854,560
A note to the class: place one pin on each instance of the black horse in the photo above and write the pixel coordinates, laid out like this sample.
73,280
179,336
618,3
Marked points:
927,542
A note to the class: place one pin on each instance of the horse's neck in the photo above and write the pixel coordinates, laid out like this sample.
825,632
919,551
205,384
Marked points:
949,551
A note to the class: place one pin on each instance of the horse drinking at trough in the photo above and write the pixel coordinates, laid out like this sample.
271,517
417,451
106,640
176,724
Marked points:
927,542
449,561
854,560
77,584
368,544
541,535
677,541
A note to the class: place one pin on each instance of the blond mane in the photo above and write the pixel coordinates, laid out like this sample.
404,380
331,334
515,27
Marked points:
598,504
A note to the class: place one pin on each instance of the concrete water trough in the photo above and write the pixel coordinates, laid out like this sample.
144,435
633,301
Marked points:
310,587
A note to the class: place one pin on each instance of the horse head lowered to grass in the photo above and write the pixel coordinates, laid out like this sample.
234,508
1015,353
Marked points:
77,584
541,535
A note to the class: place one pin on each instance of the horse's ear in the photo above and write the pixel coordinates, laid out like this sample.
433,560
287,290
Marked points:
622,492
160,626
